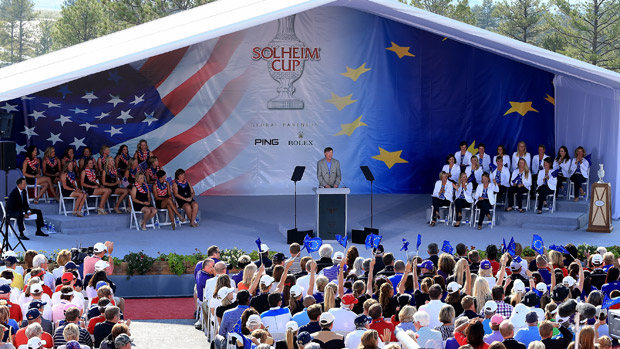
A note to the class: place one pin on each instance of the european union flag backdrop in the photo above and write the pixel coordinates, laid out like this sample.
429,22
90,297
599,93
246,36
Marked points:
381,93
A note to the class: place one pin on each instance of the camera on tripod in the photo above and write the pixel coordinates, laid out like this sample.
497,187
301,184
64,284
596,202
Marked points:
78,254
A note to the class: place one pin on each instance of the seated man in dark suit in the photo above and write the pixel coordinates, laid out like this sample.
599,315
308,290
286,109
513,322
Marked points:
17,207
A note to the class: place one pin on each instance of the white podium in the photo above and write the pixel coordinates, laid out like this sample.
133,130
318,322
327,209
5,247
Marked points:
331,212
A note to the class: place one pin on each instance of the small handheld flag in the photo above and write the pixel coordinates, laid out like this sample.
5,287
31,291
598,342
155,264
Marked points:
342,240
405,245
588,158
512,247
312,244
555,173
372,241
559,248
503,245
537,244
258,243
418,243
492,167
447,248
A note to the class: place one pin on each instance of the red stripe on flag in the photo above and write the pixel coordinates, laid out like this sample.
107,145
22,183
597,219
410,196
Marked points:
157,68
219,157
183,94
209,123
232,187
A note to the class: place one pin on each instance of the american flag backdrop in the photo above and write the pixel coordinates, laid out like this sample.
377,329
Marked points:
381,93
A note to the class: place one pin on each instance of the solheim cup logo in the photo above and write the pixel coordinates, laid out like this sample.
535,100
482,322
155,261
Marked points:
286,55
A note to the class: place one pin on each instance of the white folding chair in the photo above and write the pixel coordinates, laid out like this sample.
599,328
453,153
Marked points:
526,198
572,192
166,220
116,198
492,212
181,211
35,189
62,208
133,218
547,208
447,218
470,215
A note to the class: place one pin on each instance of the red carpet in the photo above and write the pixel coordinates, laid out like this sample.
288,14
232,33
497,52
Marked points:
159,308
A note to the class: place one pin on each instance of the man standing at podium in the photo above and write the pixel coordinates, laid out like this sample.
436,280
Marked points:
328,170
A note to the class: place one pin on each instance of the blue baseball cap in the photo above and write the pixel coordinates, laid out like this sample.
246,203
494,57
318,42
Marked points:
100,284
33,314
304,338
11,260
485,265
36,304
5,289
361,320
70,265
426,265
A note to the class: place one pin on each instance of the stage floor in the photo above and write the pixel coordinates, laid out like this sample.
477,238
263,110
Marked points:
237,222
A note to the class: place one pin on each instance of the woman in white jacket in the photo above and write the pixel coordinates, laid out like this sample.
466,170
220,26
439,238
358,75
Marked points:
546,183
463,157
452,169
485,198
578,171
462,193
520,183
500,177
474,172
538,162
501,152
521,153
562,162
442,195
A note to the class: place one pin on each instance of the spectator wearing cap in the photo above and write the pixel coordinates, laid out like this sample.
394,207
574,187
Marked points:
46,323
314,313
102,330
303,339
507,330
99,251
14,309
228,301
504,309
69,267
433,250
33,343
379,265
469,307
35,292
331,272
379,324
294,250
94,320
18,279
295,303
455,295
546,334
486,272
33,329
302,318
344,317
232,316
123,342
242,262
40,261
598,275
530,333
99,266
260,302
325,337
276,317
354,338
388,262
66,302
325,260
426,270
427,337
495,335
210,285
72,317
433,307
276,260
399,270
263,257
488,311
67,279
560,293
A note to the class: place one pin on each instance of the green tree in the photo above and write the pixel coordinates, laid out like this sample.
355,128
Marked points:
44,44
521,19
82,21
591,30
127,13
484,15
440,7
15,16
462,12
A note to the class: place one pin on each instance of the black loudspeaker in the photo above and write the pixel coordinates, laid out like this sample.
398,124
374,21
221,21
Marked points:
294,235
6,125
7,155
613,319
358,236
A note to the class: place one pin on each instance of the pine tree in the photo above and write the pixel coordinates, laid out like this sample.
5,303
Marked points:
484,15
521,19
44,44
462,12
81,21
440,7
15,16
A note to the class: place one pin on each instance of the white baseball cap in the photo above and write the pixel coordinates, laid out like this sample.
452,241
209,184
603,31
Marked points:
569,281
490,306
453,287
541,287
326,318
100,247
9,253
292,325
266,280
295,291
264,248
101,265
597,259
253,320
36,288
224,291
35,343
338,256
519,286
601,250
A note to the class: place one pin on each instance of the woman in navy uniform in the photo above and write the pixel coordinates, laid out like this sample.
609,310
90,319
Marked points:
91,186
70,187
31,169
141,197
184,194
111,180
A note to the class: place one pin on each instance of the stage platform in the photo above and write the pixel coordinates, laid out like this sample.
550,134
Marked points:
237,222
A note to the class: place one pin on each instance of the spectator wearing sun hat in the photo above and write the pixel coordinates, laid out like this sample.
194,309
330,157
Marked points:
325,337
99,251
344,316
495,335
34,343
32,329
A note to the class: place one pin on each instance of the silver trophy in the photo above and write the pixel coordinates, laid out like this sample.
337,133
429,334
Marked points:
601,173
286,38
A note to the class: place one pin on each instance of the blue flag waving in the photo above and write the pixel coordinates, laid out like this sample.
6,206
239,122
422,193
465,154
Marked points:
588,158
555,173
312,244
537,244
492,167
503,245
471,178
512,247
419,242
559,248
258,243
405,245
342,240
373,241
447,248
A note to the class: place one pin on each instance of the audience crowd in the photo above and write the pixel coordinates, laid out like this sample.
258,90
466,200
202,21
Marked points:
343,300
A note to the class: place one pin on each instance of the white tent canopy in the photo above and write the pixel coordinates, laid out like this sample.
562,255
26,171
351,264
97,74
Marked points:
587,96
